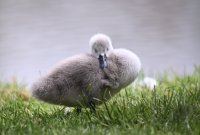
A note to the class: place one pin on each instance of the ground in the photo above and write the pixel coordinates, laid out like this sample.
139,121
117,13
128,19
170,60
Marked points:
173,107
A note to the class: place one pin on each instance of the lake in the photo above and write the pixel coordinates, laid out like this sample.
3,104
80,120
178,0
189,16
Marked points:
35,35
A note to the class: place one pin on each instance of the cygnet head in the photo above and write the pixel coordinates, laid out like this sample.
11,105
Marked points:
101,46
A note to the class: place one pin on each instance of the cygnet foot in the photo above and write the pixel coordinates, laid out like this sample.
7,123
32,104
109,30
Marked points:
111,77
110,83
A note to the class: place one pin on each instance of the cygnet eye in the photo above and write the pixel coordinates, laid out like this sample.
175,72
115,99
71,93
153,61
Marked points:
95,50
107,49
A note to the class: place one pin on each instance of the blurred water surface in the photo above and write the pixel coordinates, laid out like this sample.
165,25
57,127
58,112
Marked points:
34,35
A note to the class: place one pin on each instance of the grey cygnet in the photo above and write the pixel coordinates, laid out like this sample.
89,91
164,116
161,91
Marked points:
86,79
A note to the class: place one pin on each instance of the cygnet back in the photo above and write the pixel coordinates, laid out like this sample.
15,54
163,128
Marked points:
70,82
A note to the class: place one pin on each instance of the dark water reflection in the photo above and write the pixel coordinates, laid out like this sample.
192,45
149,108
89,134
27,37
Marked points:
34,35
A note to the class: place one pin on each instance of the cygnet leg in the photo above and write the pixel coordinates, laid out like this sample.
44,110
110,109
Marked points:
78,110
92,106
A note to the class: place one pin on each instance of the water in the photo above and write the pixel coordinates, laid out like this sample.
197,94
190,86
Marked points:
34,35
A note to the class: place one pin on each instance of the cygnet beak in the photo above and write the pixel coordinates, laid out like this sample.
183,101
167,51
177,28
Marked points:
103,61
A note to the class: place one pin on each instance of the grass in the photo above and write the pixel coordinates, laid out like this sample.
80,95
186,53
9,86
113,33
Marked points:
173,107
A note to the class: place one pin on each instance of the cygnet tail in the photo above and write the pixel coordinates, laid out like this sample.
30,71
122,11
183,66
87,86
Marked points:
45,90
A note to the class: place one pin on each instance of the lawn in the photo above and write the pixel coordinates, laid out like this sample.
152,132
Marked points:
173,107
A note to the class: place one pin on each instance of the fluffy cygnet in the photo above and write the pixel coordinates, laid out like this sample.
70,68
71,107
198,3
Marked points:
86,79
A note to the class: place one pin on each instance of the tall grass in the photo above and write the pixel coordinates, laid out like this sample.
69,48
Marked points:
173,107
